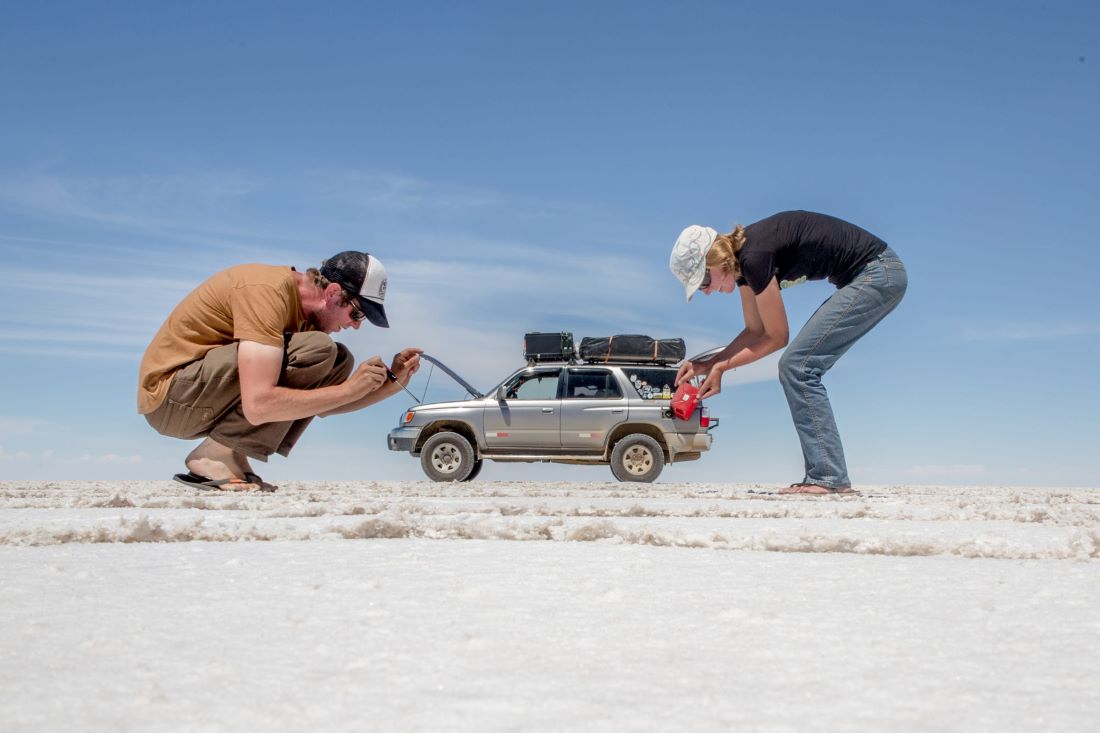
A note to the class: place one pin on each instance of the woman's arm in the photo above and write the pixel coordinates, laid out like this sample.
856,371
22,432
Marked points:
766,331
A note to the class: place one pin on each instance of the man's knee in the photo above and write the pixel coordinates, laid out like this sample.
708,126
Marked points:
311,347
313,357
344,363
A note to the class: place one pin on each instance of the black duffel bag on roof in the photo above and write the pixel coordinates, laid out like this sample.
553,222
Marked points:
631,348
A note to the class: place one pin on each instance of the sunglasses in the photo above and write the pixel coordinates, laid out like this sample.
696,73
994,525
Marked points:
356,312
706,280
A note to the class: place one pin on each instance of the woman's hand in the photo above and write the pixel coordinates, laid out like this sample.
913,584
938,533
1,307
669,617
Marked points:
691,369
712,385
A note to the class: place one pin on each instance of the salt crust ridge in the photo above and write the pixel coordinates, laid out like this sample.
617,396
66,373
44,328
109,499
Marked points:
968,522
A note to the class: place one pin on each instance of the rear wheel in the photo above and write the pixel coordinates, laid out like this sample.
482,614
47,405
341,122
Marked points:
447,457
637,457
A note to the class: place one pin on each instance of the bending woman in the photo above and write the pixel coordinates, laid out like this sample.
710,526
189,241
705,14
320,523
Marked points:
759,260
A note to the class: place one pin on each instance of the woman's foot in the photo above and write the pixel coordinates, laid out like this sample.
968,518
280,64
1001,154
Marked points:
807,488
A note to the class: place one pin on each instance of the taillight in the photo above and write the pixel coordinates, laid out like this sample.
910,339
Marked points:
704,418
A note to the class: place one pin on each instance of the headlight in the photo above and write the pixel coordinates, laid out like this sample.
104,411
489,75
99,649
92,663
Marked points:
408,417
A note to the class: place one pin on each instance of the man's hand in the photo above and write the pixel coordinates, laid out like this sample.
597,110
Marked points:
405,364
369,376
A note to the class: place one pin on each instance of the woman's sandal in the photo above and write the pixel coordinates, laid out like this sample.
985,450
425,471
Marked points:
816,489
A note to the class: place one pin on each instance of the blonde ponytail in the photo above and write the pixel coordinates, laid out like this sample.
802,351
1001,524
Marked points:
723,253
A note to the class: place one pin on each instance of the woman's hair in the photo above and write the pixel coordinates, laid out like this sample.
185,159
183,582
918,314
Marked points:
723,253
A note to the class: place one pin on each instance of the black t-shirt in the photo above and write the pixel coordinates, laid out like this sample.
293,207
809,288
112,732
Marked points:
795,246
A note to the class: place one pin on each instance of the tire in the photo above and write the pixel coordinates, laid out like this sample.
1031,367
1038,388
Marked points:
637,457
447,456
475,470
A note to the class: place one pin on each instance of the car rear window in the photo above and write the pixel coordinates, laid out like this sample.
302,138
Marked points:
650,381
592,384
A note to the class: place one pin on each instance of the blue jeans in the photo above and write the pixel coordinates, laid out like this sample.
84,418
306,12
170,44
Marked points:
848,314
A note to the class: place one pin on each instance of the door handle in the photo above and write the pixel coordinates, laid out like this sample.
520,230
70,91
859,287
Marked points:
617,412
548,410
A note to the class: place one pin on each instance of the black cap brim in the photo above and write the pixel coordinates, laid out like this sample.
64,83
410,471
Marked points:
374,312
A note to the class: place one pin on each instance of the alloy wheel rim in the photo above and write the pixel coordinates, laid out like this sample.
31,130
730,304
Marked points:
637,460
446,458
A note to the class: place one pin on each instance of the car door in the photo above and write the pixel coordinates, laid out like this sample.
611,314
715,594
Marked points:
527,414
592,404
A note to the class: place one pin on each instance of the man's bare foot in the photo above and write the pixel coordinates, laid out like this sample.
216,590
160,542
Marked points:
246,470
216,462
816,489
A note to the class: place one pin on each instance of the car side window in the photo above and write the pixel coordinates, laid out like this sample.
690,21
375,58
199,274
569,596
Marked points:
599,384
650,380
534,386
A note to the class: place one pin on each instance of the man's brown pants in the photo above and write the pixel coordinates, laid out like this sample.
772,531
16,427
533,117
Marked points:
204,399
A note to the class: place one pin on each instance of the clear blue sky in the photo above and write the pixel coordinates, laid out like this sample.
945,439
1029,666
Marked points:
527,166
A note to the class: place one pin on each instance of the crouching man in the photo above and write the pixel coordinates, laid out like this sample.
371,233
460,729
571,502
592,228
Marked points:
245,361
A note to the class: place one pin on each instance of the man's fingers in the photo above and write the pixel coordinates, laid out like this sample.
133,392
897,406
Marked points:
374,371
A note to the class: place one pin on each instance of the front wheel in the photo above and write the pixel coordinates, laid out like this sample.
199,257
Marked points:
447,456
475,470
637,457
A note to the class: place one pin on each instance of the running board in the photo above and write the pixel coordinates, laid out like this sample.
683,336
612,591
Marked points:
544,458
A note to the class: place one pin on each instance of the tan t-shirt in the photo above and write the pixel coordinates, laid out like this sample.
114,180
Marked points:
243,303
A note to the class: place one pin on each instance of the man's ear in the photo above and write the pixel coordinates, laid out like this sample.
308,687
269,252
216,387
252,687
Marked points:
333,291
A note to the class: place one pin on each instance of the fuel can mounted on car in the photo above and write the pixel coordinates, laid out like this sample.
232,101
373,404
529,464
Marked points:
539,347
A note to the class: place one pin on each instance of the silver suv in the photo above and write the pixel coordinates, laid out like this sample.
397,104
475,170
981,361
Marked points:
617,414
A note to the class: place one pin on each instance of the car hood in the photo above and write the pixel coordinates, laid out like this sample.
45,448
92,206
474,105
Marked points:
458,404
451,373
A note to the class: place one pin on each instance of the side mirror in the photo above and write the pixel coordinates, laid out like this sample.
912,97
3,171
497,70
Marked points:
502,393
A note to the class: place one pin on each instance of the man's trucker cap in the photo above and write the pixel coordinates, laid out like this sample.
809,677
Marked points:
361,275
688,261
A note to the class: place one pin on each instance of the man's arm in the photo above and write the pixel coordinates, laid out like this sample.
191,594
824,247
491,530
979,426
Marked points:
405,364
264,401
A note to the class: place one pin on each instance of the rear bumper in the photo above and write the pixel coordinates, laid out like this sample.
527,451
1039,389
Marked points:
403,439
688,442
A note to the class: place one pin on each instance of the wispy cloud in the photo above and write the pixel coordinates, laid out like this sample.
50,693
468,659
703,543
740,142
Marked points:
18,426
472,312
6,455
400,192
110,459
142,202
1028,331
465,296
935,470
